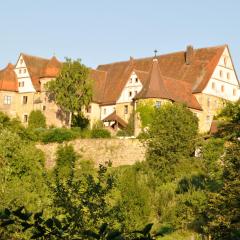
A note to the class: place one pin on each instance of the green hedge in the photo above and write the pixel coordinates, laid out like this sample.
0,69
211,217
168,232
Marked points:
100,133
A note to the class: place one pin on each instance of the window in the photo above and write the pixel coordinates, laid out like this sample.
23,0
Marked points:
208,102
125,109
130,80
20,71
21,61
7,100
228,75
25,118
44,108
135,92
89,109
25,99
130,94
158,104
225,61
25,70
213,85
136,80
220,73
21,84
234,92
104,111
222,88
208,118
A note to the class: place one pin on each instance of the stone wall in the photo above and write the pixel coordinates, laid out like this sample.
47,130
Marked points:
118,151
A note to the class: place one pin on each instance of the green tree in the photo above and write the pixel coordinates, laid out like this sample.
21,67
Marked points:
72,89
37,119
223,208
171,136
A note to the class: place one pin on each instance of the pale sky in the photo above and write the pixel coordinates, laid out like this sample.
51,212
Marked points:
107,31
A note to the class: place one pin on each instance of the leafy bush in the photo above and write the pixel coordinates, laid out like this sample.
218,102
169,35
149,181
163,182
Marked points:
59,135
36,120
100,133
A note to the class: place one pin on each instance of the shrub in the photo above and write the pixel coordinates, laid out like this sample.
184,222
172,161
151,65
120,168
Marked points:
37,119
59,135
100,133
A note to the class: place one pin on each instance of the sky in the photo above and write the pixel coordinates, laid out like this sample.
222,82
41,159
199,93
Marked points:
104,31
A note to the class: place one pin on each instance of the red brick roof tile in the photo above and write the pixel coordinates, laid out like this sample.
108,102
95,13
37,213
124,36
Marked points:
172,66
8,79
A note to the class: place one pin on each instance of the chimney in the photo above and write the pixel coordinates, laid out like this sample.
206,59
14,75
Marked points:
189,54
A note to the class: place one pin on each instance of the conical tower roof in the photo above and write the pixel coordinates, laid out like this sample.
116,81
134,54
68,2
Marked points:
154,86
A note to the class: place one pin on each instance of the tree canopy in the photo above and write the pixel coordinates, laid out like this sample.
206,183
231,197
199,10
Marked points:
72,89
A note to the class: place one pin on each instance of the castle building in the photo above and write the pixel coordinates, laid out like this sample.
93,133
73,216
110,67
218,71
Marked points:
200,78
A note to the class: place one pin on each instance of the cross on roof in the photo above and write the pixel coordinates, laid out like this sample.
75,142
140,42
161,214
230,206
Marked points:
155,51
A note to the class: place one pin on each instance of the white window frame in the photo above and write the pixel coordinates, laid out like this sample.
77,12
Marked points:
7,100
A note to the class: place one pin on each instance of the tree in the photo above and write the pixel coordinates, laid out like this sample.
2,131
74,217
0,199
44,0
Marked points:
171,136
223,208
36,119
72,89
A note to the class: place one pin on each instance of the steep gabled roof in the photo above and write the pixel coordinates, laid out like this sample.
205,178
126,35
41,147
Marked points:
52,68
173,65
99,79
41,67
8,79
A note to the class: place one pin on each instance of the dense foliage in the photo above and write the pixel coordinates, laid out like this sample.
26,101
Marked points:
72,89
36,119
172,195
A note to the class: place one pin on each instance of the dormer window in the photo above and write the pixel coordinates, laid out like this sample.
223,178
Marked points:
21,61
20,71
136,80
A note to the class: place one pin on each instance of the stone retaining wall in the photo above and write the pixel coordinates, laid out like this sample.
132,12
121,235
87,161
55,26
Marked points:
118,151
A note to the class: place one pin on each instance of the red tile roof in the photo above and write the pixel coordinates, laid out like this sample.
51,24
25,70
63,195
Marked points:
40,67
8,79
52,68
114,117
155,86
173,66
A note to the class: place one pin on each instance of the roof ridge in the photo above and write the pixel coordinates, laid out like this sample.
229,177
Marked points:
165,54
33,56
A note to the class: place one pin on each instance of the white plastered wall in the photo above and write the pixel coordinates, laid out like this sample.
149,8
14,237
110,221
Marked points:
23,76
132,86
223,82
